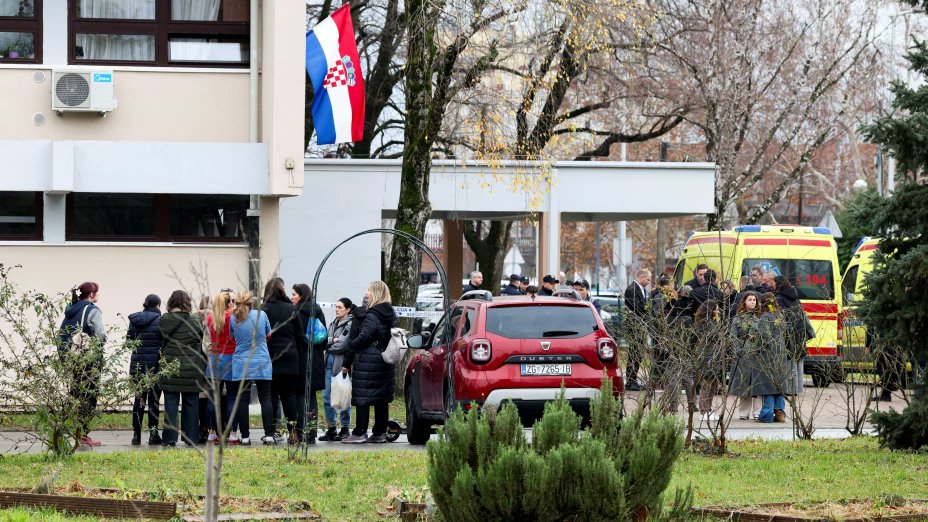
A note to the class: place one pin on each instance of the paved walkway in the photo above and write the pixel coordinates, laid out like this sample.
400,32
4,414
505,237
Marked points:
829,406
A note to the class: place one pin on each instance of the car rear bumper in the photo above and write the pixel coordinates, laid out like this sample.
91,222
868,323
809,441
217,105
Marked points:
497,397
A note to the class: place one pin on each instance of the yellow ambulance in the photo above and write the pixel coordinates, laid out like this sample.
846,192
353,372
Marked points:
806,255
856,351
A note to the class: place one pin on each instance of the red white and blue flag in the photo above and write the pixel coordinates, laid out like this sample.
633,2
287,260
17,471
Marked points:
335,70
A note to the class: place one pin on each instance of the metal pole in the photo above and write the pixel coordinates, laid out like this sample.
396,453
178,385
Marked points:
596,278
660,262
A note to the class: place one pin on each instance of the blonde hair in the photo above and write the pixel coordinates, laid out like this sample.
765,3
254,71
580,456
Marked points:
243,303
220,304
380,293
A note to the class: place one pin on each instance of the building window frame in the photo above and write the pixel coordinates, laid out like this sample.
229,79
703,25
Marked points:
162,28
162,227
23,24
39,234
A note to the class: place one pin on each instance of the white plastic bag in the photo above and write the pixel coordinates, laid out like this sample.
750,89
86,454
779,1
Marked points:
340,399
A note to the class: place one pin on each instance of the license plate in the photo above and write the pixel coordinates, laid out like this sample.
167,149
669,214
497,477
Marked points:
545,369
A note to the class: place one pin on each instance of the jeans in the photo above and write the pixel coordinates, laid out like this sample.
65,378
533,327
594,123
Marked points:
771,402
327,395
190,421
381,416
148,400
241,414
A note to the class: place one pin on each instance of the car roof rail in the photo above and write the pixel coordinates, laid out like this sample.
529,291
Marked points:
477,295
568,293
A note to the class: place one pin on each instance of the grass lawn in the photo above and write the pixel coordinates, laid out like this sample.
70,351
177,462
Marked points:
350,485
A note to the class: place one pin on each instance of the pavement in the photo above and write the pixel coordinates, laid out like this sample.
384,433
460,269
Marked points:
828,406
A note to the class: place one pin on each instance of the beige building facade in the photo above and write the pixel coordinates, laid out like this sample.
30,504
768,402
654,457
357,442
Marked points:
165,182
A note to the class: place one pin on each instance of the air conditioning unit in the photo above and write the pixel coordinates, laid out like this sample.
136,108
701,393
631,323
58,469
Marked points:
83,90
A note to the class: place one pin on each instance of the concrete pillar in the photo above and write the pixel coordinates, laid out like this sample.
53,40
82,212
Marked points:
454,255
549,239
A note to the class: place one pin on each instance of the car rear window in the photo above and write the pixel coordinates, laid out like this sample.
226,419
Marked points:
541,322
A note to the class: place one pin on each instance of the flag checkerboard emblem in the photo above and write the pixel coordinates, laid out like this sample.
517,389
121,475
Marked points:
336,76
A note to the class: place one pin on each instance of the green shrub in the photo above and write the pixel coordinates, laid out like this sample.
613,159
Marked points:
482,468
903,431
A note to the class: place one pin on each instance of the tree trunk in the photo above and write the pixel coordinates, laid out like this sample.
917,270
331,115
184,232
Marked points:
490,250
413,208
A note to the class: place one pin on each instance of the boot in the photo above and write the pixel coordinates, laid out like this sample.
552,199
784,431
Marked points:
779,416
884,396
330,435
137,437
153,438
343,433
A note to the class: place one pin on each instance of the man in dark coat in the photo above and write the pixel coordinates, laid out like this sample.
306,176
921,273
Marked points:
373,379
548,285
143,329
476,279
636,299
513,287
699,276
708,290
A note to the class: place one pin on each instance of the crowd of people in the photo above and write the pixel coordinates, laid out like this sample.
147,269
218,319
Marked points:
751,338
231,344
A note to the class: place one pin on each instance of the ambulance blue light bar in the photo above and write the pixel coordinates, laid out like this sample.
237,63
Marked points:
747,228
821,230
861,242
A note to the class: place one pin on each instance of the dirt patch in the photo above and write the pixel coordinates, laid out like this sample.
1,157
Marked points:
854,510
187,503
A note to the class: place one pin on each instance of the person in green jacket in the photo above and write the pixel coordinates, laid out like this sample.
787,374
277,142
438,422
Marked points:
183,346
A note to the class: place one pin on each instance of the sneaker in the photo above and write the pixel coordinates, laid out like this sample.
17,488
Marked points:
343,433
279,436
633,386
269,440
87,441
744,417
153,438
377,439
212,438
169,444
246,441
234,440
330,435
354,439
137,438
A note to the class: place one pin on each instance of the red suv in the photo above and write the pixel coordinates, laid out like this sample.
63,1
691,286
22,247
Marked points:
517,349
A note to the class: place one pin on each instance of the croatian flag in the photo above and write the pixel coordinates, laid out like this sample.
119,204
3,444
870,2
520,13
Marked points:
335,70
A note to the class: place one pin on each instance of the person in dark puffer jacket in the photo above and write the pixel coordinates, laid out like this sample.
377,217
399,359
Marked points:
373,380
183,342
143,328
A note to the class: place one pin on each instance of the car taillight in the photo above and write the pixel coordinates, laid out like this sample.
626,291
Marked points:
606,348
480,350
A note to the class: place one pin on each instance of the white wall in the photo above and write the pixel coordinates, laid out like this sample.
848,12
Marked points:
344,197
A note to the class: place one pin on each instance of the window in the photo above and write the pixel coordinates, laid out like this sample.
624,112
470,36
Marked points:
20,31
156,217
541,322
159,32
849,284
21,215
813,278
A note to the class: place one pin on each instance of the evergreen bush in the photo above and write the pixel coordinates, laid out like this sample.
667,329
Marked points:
903,431
482,467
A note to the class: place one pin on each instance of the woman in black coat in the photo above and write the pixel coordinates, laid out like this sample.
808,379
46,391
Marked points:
373,380
301,297
143,329
284,347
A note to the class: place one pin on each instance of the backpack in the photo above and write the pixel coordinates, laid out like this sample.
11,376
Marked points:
81,339
394,350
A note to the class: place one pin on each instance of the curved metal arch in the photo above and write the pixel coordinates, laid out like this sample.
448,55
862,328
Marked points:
446,305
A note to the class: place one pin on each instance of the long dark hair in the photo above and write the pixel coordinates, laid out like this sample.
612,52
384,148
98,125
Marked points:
274,291
84,291
707,310
302,290
742,308
180,300
782,282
